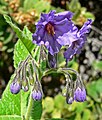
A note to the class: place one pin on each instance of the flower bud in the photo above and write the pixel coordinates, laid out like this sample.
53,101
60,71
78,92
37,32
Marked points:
51,61
70,100
37,95
15,87
25,85
25,88
80,94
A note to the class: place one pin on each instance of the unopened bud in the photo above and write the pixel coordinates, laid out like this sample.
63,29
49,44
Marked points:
37,95
80,95
70,100
25,85
15,87
51,61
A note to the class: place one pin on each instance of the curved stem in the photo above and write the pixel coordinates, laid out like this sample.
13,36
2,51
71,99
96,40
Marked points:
30,104
70,69
49,71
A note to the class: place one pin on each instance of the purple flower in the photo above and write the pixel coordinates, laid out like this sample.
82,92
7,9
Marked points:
15,87
80,95
37,95
85,28
77,45
52,29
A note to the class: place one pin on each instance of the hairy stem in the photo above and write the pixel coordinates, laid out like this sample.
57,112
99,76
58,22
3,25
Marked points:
29,108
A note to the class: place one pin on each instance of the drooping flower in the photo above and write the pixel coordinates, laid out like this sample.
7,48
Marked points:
77,45
51,31
15,87
80,95
37,95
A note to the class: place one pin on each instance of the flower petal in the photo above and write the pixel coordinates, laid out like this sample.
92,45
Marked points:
85,28
62,15
69,53
62,27
67,39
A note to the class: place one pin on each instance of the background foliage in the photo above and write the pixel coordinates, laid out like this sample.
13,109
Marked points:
89,62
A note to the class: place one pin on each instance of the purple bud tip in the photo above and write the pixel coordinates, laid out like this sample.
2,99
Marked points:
80,95
25,88
37,95
15,87
70,100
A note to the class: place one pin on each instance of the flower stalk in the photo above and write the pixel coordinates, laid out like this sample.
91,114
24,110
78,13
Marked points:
29,108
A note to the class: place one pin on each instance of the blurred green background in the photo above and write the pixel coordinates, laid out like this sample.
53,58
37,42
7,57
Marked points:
88,63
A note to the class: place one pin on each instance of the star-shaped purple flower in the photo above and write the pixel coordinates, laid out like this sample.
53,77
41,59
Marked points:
77,45
51,31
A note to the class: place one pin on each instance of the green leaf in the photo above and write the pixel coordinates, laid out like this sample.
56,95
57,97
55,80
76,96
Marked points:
80,107
74,5
40,6
14,27
56,113
99,86
25,40
59,101
10,117
78,116
98,90
75,66
28,4
13,106
97,65
94,89
37,53
22,50
20,53
89,15
48,104
36,110
91,89
24,46
56,118
86,115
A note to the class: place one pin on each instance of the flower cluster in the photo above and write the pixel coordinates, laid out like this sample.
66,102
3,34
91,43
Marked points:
24,77
75,90
79,96
55,30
